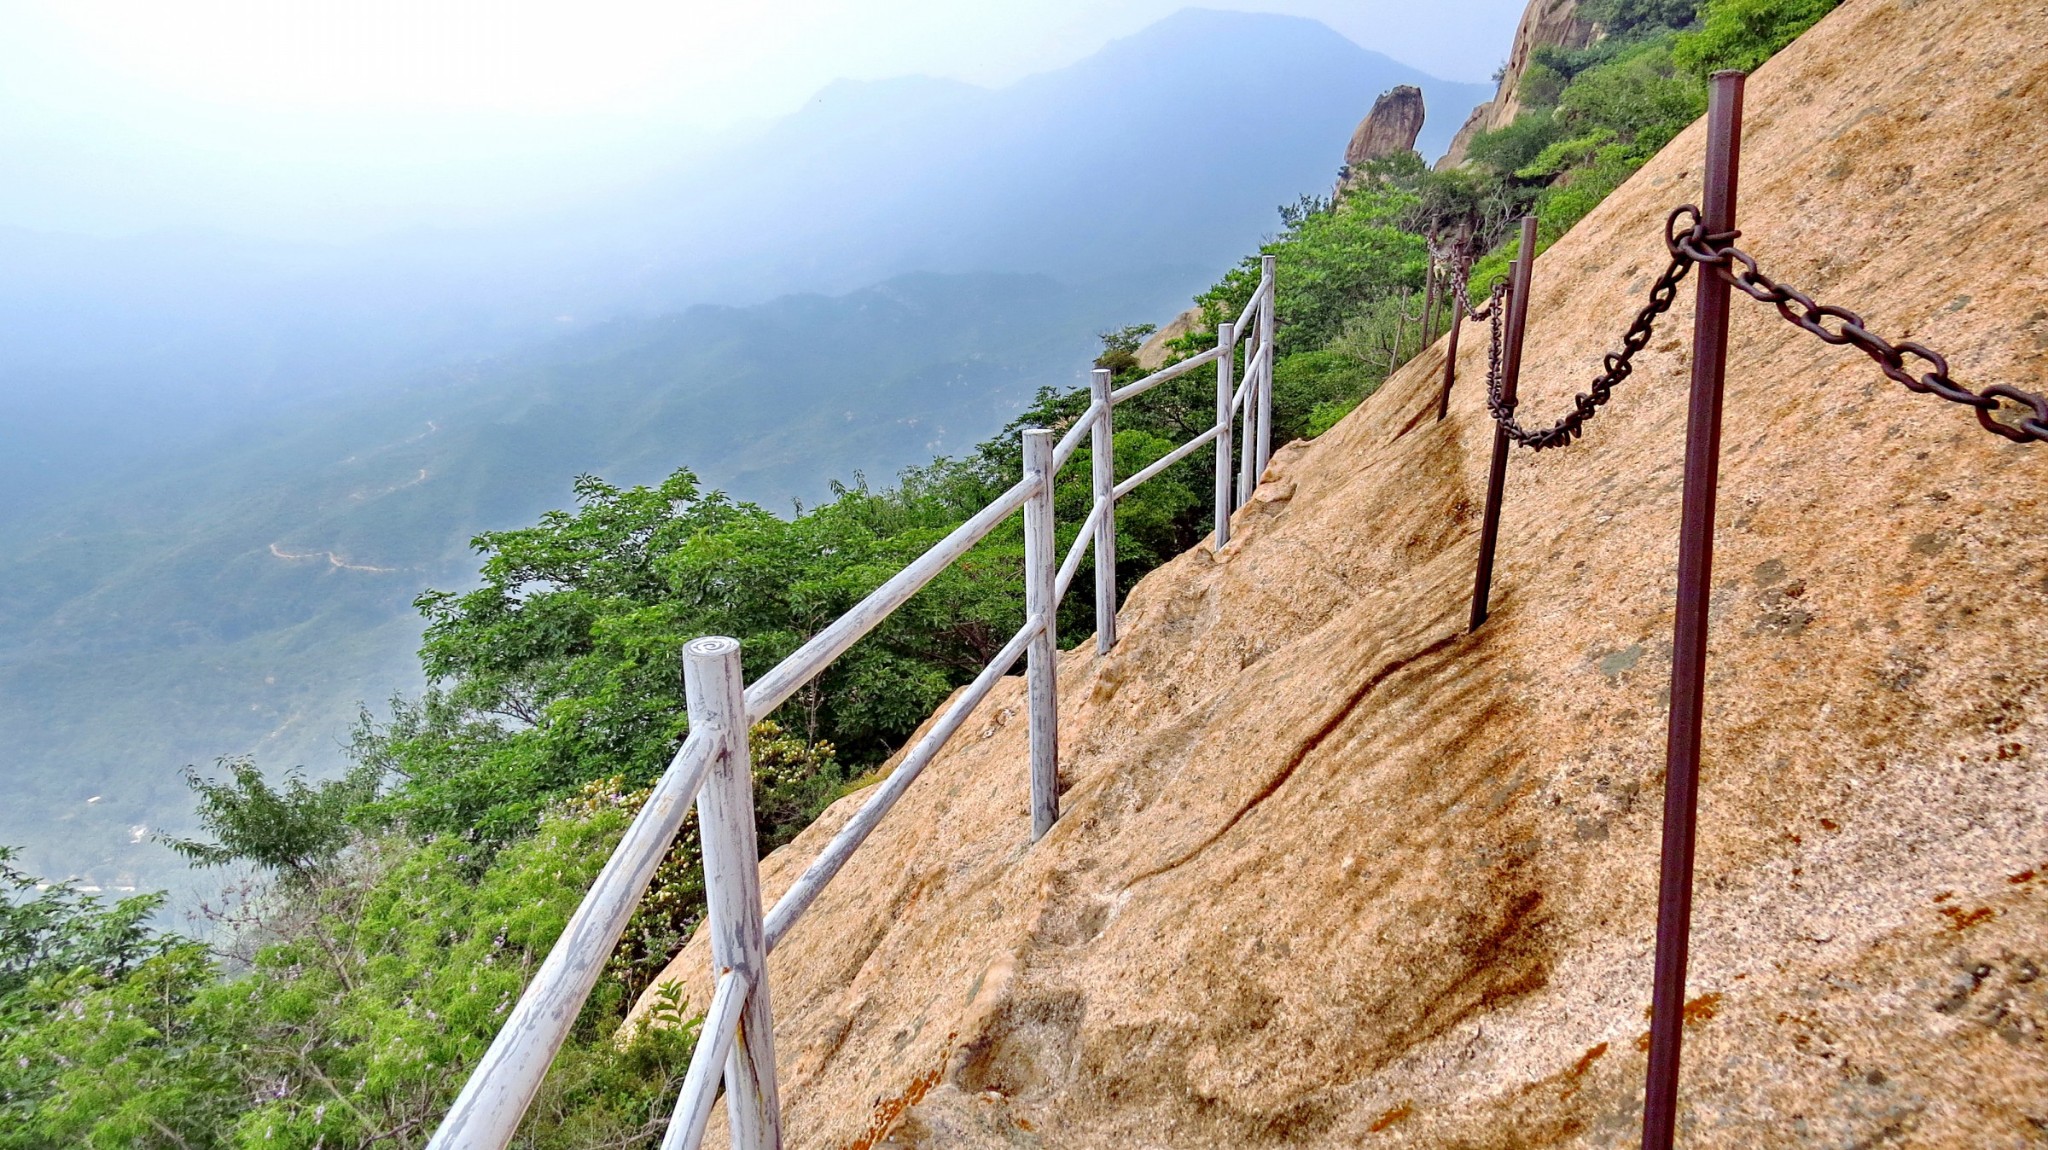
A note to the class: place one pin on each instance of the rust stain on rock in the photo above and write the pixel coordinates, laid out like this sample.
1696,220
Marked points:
1397,1114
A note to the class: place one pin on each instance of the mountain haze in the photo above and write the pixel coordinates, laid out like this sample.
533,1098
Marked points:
231,463
1165,150
246,594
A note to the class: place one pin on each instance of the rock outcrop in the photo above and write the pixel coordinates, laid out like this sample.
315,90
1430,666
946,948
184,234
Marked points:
1334,873
1153,352
1390,128
1545,24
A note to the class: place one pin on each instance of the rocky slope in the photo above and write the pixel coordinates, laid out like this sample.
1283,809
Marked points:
1333,872
1545,24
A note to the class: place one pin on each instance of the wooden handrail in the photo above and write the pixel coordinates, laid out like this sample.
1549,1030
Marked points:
487,1111
802,893
715,1040
774,688
1077,551
1131,391
736,1043
1166,461
1071,441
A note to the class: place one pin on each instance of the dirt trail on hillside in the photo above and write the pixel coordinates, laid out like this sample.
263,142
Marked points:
1333,873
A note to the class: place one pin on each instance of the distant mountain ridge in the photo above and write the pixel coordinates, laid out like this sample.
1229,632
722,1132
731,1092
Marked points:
1169,147
1225,114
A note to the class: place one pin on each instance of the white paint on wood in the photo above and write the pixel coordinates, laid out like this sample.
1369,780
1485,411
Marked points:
1042,662
1076,551
486,1113
1223,415
1251,307
1242,392
1131,391
716,697
714,1045
1248,407
1270,281
791,906
1103,458
1071,441
1165,461
774,688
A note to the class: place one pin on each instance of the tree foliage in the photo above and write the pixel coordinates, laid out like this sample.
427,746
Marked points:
289,831
1742,34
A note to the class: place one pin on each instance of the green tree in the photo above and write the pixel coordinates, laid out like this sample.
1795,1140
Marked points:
1742,34
290,832
51,930
1630,18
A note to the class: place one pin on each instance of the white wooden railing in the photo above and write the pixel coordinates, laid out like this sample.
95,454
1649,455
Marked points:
713,767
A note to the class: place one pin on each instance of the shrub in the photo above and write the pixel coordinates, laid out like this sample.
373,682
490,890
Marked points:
1742,34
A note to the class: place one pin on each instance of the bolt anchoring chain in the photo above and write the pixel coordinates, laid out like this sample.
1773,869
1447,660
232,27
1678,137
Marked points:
1718,251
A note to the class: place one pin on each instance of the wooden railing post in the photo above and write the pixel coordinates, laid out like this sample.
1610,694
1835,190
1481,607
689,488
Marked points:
1102,447
1689,639
1042,657
1510,377
1248,436
1225,346
1268,275
1457,293
716,697
1400,329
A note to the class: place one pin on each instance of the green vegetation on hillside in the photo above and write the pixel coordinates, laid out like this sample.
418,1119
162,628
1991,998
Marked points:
1592,116
394,914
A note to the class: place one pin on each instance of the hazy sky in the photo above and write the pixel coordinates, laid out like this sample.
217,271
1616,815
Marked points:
328,117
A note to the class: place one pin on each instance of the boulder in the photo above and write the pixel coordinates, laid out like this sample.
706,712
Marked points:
1390,128
1545,23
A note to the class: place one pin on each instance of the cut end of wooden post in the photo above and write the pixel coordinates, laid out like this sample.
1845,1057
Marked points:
711,647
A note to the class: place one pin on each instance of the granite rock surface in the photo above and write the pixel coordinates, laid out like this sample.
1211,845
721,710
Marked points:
1334,873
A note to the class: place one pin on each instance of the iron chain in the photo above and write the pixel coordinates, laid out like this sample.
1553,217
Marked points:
1473,314
1840,326
1690,243
1617,367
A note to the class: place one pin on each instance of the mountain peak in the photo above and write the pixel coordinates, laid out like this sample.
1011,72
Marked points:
1215,30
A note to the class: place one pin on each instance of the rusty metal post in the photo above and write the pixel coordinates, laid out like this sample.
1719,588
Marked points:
1429,279
1443,402
1510,376
1689,641
1400,329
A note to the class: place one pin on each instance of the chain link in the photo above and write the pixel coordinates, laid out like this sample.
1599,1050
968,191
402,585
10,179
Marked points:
1691,243
1477,315
1457,274
1496,306
1840,326
1617,367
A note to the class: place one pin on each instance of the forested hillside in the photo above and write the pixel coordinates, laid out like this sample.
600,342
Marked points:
396,911
249,594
